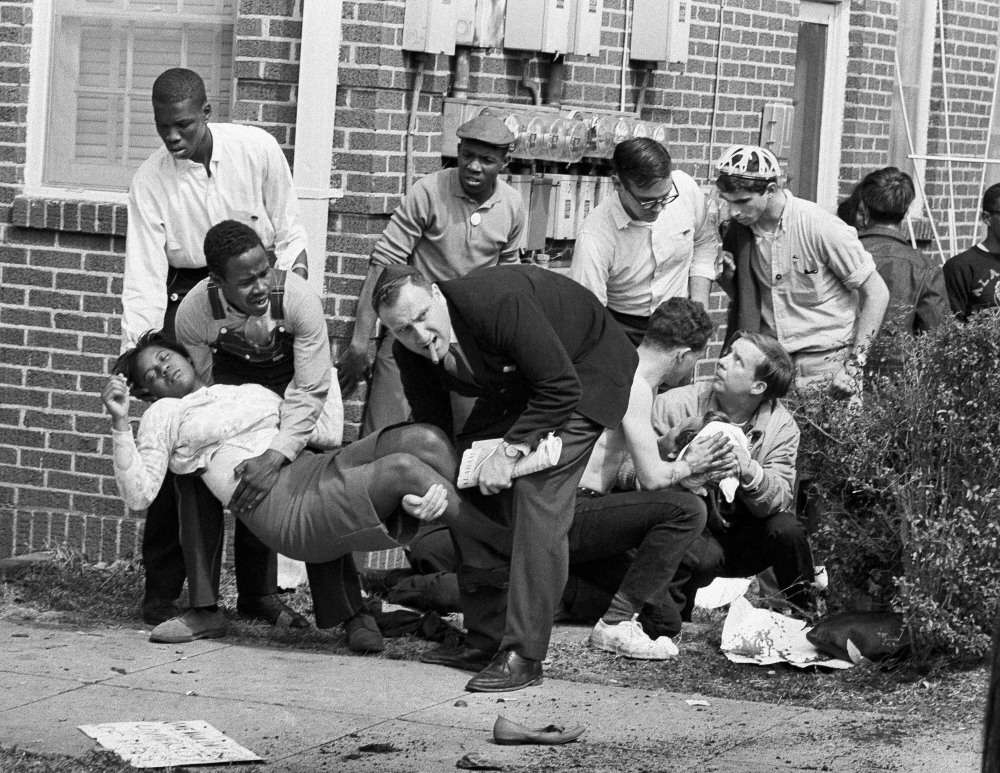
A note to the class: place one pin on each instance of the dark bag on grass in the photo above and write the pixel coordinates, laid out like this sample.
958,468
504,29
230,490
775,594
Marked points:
876,635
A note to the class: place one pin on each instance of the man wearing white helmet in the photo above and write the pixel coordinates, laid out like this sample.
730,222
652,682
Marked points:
791,268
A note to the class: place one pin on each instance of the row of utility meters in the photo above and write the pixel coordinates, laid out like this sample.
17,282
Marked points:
557,204
553,135
568,139
660,29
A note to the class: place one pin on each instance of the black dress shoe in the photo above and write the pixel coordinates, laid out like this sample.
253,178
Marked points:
507,671
271,609
462,656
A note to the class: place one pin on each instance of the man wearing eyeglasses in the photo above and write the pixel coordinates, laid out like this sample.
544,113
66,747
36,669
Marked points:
973,276
650,241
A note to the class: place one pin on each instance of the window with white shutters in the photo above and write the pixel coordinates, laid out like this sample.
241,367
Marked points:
105,56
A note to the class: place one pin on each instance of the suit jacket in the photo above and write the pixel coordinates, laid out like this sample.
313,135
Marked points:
540,347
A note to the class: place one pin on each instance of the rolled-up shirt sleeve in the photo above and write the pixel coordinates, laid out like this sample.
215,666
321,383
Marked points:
847,257
706,241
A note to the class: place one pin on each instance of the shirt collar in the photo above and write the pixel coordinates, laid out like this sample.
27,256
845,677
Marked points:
887,231
786,213
220,152
459,191
621,218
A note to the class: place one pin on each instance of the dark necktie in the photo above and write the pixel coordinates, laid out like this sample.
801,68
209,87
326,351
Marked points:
454,364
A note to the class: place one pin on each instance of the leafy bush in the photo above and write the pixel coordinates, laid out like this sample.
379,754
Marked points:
911,480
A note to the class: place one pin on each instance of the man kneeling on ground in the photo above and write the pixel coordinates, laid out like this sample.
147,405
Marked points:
659,521
760,529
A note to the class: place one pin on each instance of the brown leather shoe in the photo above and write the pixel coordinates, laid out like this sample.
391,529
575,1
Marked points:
462,656
507,671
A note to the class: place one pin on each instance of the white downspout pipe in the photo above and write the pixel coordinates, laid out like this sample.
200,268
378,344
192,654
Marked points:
314,119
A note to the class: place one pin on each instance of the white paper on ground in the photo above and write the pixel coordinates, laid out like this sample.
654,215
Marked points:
760,636
722,591
166,744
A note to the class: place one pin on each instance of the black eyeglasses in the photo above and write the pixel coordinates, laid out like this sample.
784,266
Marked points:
662,201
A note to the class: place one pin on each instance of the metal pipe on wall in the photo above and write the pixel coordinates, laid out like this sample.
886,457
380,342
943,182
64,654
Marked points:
411,124
460,83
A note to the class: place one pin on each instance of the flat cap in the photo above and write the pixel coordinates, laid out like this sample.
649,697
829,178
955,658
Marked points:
488,129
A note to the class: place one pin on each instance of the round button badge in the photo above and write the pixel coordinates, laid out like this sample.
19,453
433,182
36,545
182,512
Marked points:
476,218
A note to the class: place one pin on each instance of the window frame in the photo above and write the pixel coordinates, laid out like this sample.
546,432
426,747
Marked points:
41,65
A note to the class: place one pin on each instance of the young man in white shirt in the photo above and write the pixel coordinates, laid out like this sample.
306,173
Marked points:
650,241
203,174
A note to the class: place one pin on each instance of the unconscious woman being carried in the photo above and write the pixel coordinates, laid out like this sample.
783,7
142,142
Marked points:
370,495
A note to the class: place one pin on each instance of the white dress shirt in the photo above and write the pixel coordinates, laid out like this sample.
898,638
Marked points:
632,266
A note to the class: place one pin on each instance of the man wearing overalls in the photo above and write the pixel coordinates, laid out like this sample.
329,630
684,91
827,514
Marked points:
200,175
250,323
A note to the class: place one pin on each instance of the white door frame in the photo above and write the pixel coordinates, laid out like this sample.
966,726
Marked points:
836,18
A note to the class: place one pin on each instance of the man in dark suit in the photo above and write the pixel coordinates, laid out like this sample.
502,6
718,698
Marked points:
540,354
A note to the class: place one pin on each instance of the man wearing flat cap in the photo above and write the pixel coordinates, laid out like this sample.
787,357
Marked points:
451,222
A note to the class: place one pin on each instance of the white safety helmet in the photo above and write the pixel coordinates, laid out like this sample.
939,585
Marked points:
749,161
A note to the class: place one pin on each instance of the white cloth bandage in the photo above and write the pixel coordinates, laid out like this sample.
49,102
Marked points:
730,484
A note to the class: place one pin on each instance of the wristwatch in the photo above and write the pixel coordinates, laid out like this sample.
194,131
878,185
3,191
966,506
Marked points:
510,450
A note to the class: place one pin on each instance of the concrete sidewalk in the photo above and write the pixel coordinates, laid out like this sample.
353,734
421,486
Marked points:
307,711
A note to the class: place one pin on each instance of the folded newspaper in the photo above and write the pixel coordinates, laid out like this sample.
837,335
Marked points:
545,455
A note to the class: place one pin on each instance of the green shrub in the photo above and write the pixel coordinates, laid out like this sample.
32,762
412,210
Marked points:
911,479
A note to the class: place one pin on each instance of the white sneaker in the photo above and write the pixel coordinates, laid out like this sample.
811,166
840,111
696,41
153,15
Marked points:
627,638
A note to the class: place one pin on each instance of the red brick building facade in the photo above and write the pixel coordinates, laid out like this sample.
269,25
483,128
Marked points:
61,252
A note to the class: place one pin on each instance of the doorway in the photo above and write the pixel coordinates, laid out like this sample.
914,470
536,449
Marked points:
818,94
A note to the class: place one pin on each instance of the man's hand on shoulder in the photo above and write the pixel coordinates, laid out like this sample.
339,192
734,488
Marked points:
257,477
353,367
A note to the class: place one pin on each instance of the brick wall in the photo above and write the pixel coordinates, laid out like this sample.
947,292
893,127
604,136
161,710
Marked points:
60,263
870,85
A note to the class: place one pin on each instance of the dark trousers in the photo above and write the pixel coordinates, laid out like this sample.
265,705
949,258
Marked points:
183,537
633,325
435,585
659,525
386,404
510,592
336,590
748,547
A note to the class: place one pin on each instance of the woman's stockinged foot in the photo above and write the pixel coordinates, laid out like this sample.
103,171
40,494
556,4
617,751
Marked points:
428,507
